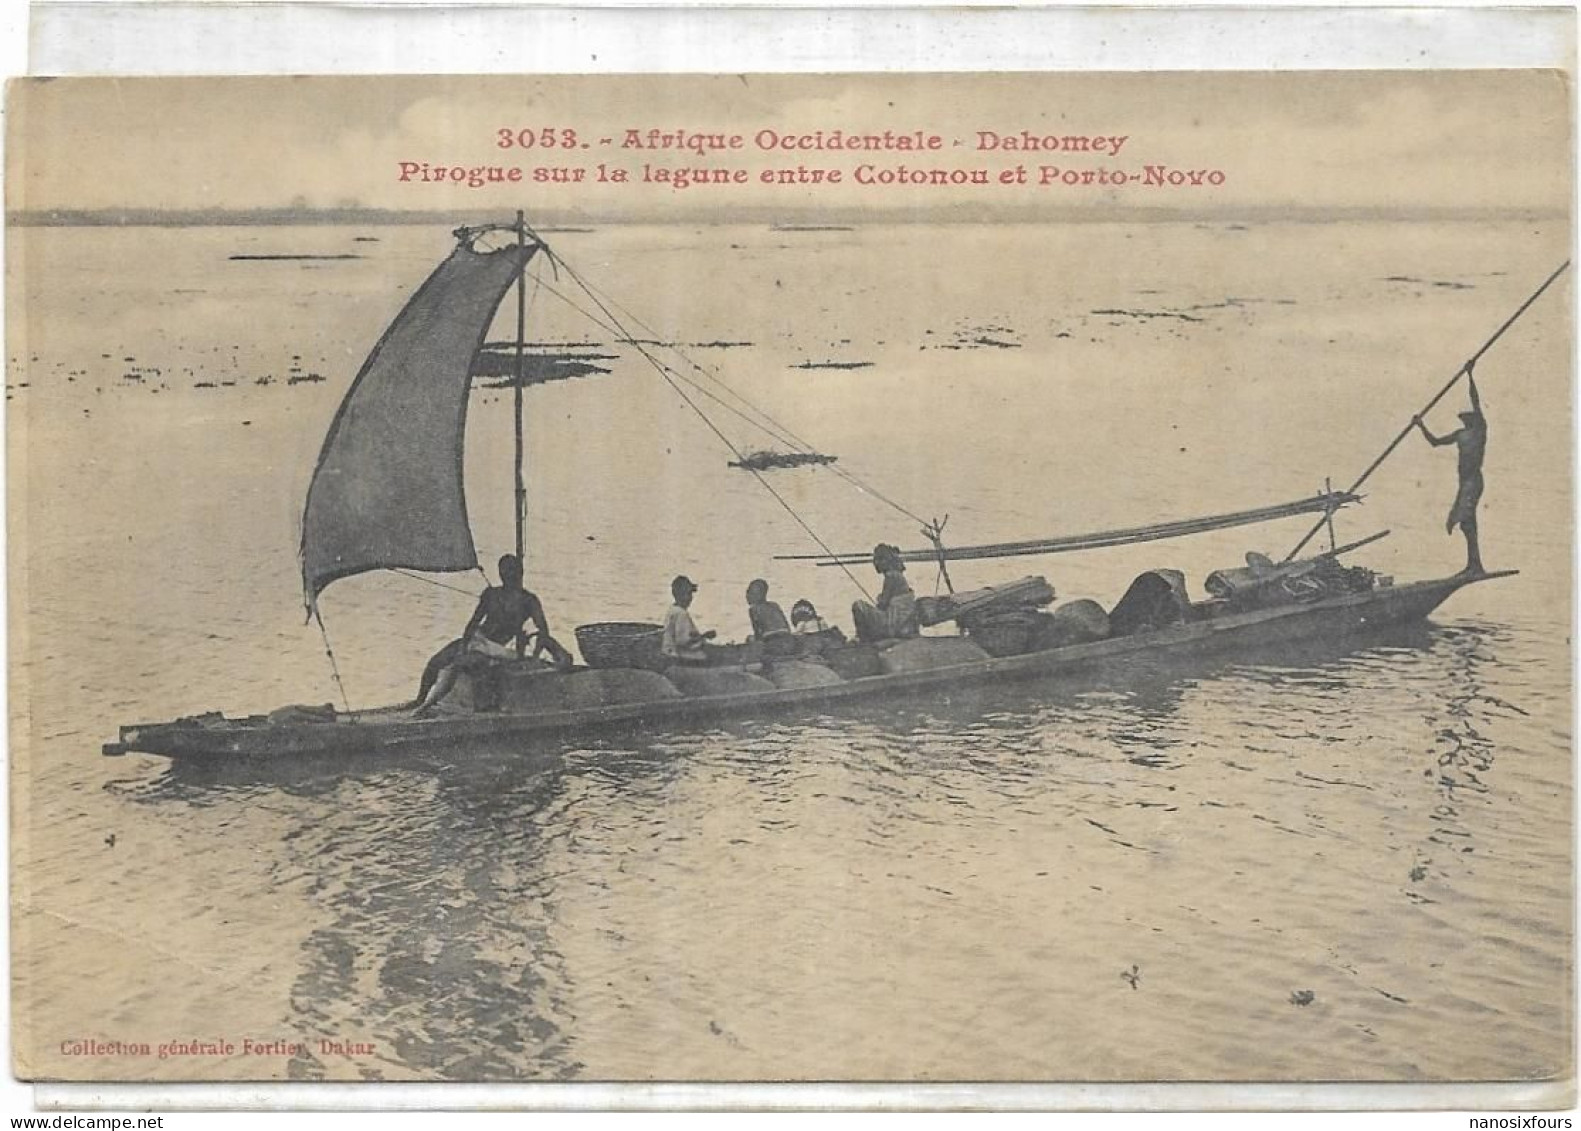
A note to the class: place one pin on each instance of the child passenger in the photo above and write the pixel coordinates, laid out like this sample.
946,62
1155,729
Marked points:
769,625
805,618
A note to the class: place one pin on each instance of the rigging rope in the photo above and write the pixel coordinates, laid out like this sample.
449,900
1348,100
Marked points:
785,437
438,584
663,371
606,301
330,652
605,326
850,477
774,428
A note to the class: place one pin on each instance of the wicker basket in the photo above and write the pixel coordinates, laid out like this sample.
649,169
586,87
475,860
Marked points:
620,644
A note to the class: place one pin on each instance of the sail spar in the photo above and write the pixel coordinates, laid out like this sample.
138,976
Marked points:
387,492
1328,502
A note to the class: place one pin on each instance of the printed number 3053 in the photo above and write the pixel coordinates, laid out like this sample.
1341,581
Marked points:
544,138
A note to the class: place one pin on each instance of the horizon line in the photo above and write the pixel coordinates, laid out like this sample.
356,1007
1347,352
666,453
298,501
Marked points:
277,215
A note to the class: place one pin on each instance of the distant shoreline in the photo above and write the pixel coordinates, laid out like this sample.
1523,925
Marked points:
819,220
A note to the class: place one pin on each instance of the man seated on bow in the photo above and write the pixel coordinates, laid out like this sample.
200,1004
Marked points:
496,631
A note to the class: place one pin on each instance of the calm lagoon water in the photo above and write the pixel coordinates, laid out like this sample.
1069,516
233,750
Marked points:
1138,878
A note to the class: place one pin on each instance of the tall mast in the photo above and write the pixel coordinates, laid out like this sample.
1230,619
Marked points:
521,344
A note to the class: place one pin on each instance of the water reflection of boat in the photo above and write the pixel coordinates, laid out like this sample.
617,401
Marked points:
388,494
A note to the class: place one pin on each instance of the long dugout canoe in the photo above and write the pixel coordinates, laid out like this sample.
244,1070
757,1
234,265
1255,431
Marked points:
393,728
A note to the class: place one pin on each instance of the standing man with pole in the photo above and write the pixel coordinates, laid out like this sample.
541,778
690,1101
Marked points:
1474,564
1472,440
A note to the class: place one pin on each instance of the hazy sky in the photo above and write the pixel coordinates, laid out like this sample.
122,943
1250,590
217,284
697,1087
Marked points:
1334,139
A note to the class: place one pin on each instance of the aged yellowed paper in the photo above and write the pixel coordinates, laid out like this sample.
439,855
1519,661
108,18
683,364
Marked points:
1070,734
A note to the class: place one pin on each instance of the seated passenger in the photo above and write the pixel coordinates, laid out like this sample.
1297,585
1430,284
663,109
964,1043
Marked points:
498,623
813,635
805,618
894,617
681,642
769,626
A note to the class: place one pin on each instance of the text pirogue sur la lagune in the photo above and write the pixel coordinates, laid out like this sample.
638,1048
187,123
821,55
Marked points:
687,159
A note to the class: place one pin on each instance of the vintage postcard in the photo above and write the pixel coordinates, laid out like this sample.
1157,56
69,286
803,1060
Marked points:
974,577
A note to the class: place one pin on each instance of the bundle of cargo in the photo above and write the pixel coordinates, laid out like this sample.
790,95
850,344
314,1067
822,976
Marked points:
1029,593
1261,583
1075,622
1020,631
1004,620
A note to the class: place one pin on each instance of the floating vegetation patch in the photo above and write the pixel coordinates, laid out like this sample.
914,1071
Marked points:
567,347
539,364
1446,284
714,345
1233,303
1147,314
291,258
978,337
766,460
1191,313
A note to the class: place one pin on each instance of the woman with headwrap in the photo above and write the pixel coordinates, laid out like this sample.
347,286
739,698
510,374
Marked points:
894,615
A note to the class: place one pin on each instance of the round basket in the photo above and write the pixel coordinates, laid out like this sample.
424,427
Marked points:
620,644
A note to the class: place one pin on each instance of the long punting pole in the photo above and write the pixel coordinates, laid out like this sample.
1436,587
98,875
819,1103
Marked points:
1442,393
521,345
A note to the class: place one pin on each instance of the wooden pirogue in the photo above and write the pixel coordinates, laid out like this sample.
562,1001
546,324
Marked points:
589,699
387,493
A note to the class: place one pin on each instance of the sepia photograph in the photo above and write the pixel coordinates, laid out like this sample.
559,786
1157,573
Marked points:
1039,578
